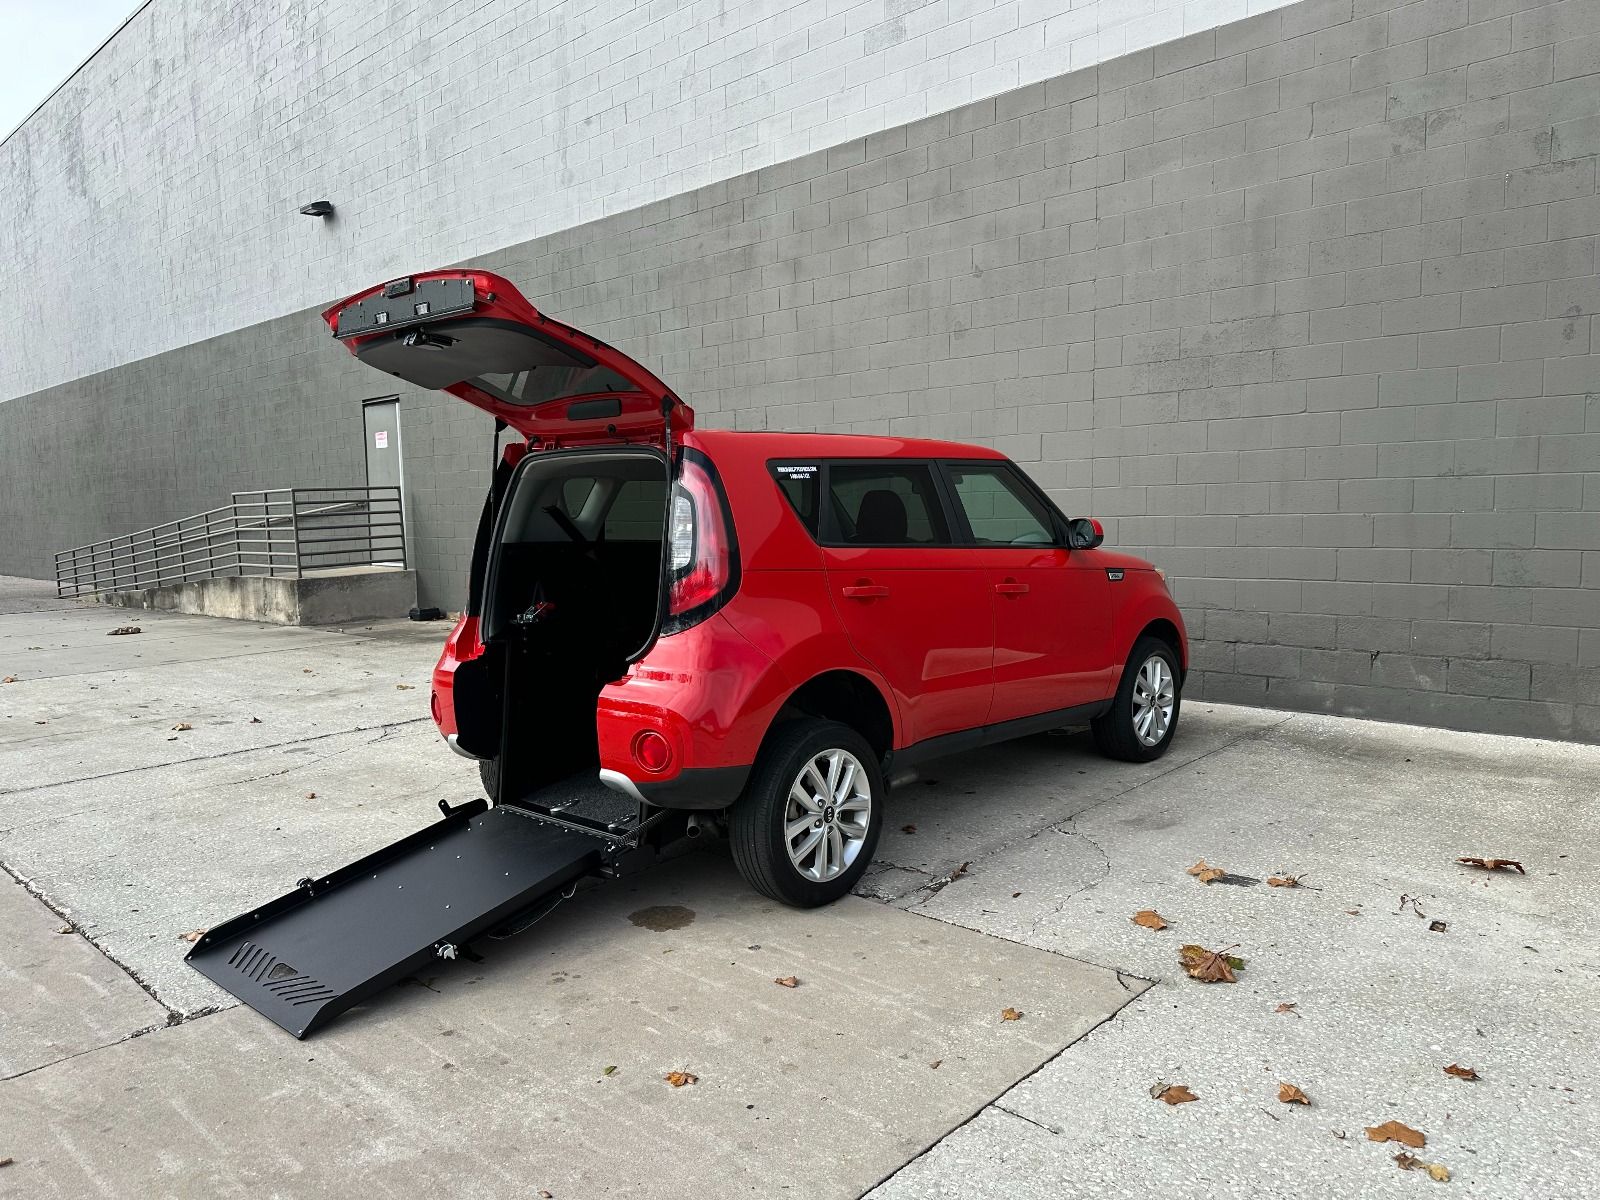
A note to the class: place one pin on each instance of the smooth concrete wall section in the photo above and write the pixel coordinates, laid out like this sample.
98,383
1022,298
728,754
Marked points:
1304,307
153,201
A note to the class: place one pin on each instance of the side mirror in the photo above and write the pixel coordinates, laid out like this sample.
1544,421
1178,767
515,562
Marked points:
1084,533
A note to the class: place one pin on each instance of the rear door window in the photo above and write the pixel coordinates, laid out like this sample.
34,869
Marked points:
999,507
883,504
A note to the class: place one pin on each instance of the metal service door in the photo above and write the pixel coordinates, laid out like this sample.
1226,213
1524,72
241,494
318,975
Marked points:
381,419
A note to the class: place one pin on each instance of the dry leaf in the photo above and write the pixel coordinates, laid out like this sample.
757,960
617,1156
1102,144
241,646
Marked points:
1011,1014
7,1161
609,1071
182,727
1149,918
311,795
194,935
1204,873
788,981
1393,1131
679,1078
544,1195
1460,1072
1492,864
307,671
1289,1094
1437,927
1172,1093
404,687
1209,966
936,1063
123,631
1438,1172
1289,881
960,871
9,679
255,720
908,829
1288,1006
65,929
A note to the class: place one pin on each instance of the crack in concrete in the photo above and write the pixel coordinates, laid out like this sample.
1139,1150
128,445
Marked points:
1010,1112
200,758
986,854
174,1016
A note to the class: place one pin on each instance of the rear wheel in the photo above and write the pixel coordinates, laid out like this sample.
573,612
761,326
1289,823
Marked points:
1139,725
805,828
489,772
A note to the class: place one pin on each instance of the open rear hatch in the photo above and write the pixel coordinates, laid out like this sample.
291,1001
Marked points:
332,942
470,333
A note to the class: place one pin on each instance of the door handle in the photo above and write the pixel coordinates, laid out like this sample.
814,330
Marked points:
1010,588
866,591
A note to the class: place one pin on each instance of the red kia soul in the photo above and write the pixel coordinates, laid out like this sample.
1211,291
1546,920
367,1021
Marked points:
756,627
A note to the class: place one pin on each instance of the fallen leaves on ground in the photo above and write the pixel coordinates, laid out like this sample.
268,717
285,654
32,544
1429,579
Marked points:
908,829
1172,1093
1149,918
405,687
1438,1172
194,935
9,679
936,1063
1411,903
609,1071
680,1078
1461,1072
311,795
1437,927
1210,966
1289,1094
182,727
7,1161
788,981
546,1195
1011,1014
123,631
255,720
1393,1131
1286,881
1492,864
1288,1006
1205,873
960,871
65,929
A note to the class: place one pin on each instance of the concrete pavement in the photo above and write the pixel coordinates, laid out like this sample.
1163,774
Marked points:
127,1073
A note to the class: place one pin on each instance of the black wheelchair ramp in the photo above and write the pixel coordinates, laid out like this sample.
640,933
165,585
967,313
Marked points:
332,942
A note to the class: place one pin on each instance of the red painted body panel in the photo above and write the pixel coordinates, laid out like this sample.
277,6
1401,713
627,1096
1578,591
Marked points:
951,638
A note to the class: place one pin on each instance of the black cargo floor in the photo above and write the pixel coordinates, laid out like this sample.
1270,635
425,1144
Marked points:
581,795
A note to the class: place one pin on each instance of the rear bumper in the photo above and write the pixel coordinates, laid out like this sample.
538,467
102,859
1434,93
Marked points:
695,788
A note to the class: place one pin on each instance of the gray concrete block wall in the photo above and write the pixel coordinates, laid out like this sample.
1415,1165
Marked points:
1305,308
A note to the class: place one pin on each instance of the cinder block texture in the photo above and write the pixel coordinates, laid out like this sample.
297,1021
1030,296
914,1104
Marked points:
1305,310
153,201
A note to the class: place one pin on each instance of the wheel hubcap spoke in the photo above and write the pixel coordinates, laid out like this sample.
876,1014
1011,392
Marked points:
828,815
1154,695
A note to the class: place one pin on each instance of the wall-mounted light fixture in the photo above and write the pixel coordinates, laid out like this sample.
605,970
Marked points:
318,208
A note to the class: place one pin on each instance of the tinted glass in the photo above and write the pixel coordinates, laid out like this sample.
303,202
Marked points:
799,484
999,508
885,504
638,513
539,384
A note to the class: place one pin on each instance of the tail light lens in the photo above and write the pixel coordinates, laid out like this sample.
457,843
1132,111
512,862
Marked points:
702,557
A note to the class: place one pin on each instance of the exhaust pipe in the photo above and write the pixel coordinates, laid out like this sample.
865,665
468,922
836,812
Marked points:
701,824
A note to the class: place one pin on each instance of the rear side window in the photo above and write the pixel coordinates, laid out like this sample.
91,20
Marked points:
999,508
801,485
883,504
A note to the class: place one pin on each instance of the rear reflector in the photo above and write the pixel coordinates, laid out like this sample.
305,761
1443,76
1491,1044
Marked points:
652,751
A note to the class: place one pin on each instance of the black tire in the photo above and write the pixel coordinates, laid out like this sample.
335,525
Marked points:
1115,734
756,821
489,772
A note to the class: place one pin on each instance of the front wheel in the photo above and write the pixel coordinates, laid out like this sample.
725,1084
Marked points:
1139,725
805,828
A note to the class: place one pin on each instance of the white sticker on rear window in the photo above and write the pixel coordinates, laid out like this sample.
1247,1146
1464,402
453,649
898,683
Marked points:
803,469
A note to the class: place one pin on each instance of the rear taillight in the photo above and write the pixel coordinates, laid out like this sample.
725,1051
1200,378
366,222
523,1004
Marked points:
702,560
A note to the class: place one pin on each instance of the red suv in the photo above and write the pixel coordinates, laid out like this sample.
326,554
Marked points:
758,625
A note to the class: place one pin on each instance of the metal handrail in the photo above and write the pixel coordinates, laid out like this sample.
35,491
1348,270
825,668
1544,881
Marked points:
272,531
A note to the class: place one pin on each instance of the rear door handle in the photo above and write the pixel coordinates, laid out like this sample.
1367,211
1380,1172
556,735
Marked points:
865,591
1010,588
